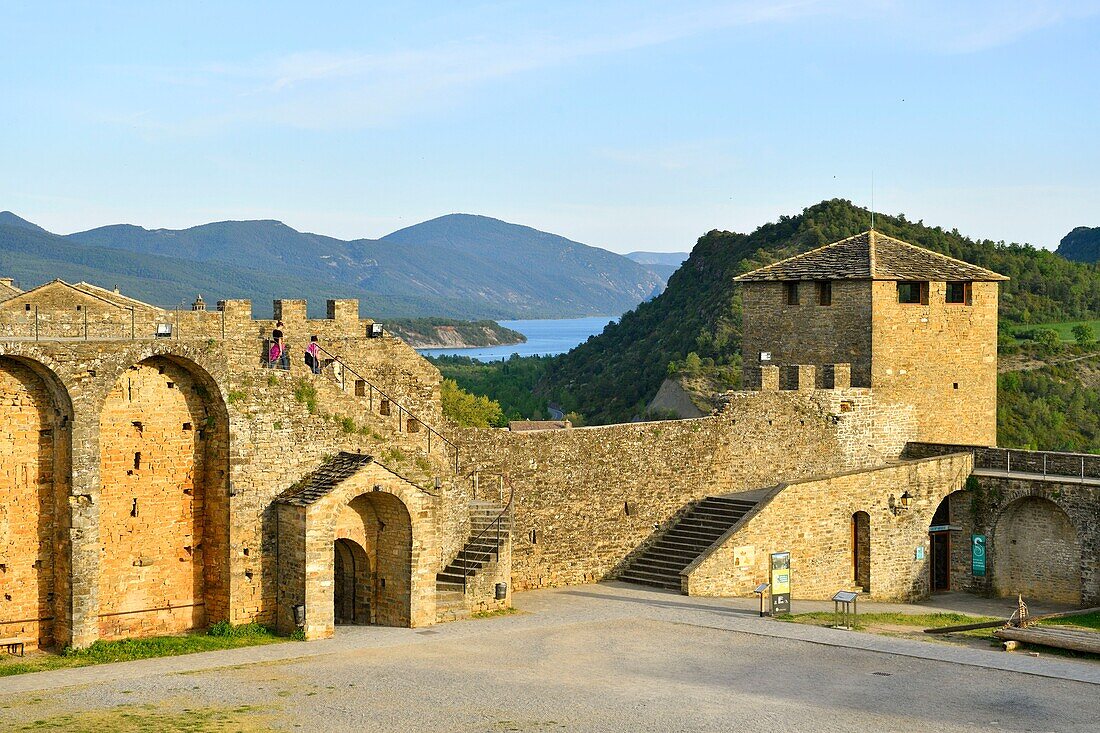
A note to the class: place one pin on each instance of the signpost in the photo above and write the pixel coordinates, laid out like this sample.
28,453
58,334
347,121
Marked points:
977,555
781,582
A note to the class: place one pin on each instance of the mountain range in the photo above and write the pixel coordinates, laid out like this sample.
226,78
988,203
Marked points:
663,263
459,266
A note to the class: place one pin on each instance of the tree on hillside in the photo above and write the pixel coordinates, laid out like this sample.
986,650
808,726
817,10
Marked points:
467,410
1084,335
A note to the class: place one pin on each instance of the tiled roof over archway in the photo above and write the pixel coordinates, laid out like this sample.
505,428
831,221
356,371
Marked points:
324,480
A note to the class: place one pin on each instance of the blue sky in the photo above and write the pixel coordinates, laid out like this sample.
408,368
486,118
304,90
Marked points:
623,125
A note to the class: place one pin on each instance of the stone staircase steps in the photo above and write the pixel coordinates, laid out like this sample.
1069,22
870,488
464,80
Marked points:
478,551
690,536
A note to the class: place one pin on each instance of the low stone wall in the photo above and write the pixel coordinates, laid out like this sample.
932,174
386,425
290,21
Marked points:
813,520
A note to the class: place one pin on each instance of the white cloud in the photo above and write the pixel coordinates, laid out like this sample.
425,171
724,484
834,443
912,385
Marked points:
351,89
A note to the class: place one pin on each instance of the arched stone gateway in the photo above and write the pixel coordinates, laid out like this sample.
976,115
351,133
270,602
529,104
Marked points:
353,583
163,505
1036,552
35,466
357,544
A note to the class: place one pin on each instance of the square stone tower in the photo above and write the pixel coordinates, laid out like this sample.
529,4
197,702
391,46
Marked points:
917,327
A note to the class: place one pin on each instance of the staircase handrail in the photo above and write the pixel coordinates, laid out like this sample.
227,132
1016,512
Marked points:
494,524
400,407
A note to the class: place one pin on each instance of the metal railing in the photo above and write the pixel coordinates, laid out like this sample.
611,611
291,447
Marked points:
1081,466
390,403
494,526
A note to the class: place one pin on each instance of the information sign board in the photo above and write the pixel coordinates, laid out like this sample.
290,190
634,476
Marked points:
781,582
977,555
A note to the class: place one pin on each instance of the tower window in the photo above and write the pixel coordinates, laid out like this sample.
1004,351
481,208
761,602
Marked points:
913,293
824,292
959,293
790,290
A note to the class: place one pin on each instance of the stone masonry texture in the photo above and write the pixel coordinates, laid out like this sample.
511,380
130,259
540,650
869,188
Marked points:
148,484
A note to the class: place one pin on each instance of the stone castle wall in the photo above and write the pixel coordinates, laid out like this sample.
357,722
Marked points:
587,498
184,534
807,333
813,520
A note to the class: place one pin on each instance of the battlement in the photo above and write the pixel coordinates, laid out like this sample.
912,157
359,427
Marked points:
803,377
62,311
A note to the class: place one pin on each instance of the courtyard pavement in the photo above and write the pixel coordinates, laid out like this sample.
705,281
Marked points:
607,657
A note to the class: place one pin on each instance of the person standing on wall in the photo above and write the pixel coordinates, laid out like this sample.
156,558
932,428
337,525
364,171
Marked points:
313,358
279,351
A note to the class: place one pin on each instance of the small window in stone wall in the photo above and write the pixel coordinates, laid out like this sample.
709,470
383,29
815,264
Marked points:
533,536
824,292
27,306
790,291
80,307
913,293
958,293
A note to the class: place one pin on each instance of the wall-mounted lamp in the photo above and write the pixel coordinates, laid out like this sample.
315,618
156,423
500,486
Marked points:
901,505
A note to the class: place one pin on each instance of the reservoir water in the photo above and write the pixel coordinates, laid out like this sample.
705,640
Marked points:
545,337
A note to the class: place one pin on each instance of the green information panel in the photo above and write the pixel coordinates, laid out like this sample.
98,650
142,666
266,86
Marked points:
977,555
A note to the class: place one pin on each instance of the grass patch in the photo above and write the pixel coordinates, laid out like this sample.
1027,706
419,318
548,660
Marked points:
1088,622
495,613
888,623
871,621
143,719
222,635
1064,329
306,394
347,425
236,395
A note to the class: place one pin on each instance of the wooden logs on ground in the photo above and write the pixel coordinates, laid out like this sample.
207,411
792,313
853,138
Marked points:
1054,636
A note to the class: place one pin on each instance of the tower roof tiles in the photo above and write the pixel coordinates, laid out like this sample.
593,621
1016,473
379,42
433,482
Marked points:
870,256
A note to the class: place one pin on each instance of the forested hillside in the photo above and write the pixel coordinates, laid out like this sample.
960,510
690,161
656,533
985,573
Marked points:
611,377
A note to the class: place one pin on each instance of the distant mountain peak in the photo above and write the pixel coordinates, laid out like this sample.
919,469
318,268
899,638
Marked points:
1082,244
9,219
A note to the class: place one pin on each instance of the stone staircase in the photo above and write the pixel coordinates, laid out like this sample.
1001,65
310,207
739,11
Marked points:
659,565
478,552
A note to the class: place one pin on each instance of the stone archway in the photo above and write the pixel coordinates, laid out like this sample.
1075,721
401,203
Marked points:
352,583
351,497
381,523
1036,552
163,505
35,474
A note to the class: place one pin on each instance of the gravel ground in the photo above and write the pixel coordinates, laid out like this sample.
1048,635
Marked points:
597,659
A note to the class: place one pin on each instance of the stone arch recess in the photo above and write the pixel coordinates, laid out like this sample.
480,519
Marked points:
1036,551
164,499
36,415
383,521
353,583
861,550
